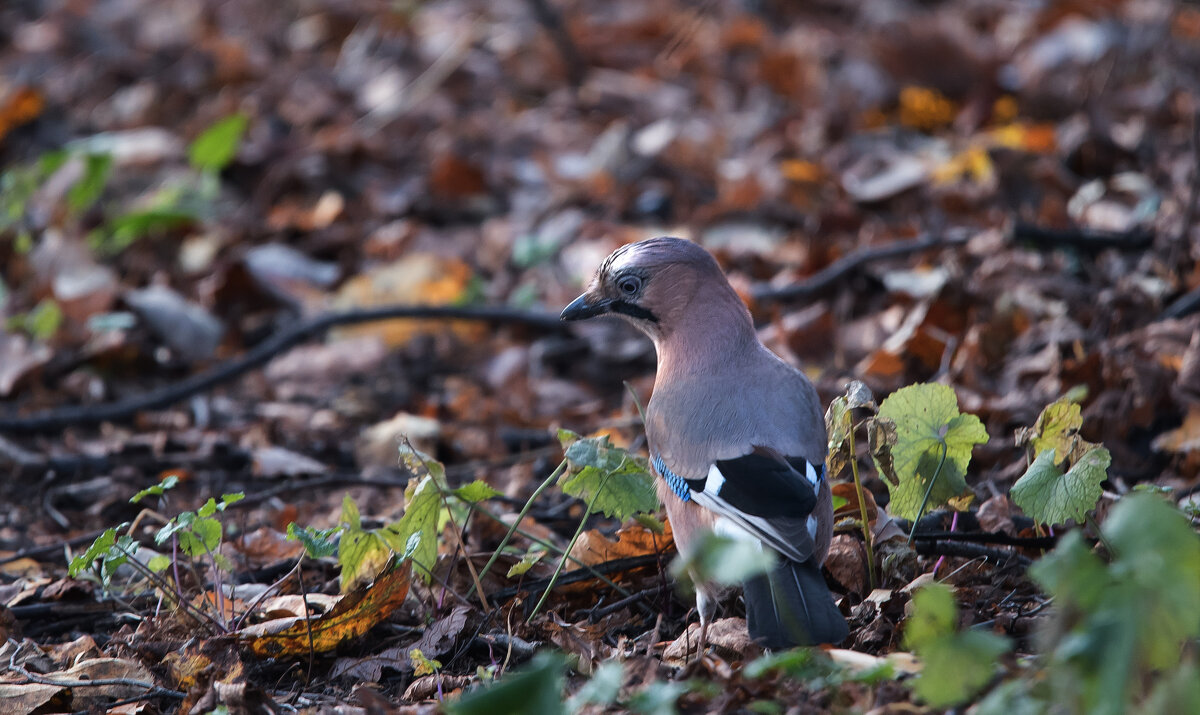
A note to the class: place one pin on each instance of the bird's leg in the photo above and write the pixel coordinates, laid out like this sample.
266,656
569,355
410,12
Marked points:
707,606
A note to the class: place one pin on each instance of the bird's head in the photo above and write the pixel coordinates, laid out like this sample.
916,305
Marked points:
650,283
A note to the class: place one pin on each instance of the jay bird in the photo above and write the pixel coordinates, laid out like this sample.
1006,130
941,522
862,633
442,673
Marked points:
735,433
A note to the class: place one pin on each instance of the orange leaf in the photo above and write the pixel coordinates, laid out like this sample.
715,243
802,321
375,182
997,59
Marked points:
355,614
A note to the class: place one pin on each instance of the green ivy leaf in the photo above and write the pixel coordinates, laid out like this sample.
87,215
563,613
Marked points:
1050,497
955,665
476,491
929,429
216,147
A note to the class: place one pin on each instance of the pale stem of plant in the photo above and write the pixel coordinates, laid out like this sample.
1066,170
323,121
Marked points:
563,561
162,586
928,491
1112,553
862,503
551,547
512,529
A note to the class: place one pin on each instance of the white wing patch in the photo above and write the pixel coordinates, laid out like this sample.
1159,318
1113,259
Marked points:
714,481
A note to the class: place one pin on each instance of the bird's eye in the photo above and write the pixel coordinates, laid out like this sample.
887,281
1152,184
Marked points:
630,285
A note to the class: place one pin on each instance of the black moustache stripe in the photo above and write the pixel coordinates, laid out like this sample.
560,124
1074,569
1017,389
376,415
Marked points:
633,311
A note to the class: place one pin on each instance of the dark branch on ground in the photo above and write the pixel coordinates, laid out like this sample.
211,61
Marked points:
260,354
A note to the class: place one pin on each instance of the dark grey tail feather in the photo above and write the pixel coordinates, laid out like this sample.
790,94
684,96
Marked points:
790,605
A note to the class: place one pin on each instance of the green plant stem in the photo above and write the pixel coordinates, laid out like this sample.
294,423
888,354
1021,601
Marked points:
512,529
552,547
928,491
1112,553
868,540
563,561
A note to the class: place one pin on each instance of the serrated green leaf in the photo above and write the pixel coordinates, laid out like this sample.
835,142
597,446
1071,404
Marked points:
99,546
535,690
158,563
216,147
932,438
168,482
651,522
420,518
954,665
201,537
714,558
233,498
609,479
1116,624
527,561
318,543
208,508
1050,497
476,491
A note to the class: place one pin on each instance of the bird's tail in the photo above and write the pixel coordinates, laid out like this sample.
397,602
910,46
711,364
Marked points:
790,605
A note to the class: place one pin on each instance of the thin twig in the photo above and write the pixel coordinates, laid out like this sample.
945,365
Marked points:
835,272
970,551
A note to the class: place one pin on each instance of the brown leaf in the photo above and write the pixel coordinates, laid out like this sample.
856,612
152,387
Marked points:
594,547
439,637
847,563
729,636
850,509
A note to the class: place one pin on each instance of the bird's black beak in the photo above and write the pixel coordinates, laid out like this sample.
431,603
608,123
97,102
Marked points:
585,306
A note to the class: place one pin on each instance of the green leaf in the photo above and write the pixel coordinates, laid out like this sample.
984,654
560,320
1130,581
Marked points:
423,505
534,690
657,698
602,689
1115,624
208,509
930,432
158,563
216,147
202,537
418,462
44,320
1050,497
955,665
610,479
84,193
361,555
350,516
168,482
421,664
1056,428
318,543
714,558
476,491
527,561
99,546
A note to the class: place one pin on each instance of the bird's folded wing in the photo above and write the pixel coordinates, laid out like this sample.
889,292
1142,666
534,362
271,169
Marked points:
770,497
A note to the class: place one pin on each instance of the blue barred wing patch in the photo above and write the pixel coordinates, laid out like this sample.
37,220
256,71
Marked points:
677,483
